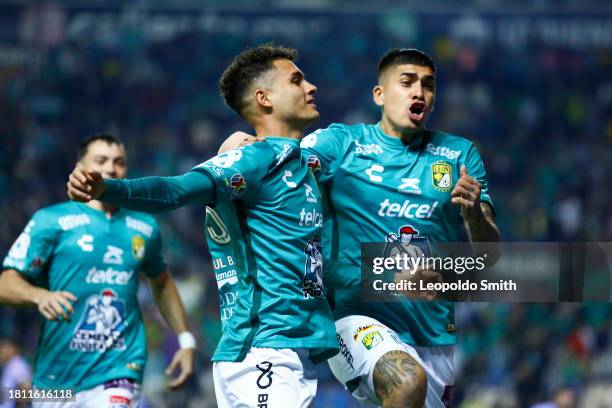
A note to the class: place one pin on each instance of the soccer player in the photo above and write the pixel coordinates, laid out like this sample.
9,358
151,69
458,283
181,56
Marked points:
423,185
264,219
79,264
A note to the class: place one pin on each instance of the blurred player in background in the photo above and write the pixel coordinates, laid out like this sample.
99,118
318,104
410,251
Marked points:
16,372
428,186
80,264
264,219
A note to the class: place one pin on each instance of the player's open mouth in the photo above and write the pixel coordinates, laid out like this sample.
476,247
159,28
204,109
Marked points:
417,111
312,103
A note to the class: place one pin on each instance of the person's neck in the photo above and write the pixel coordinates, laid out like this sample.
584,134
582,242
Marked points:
274,128
107,209
406,135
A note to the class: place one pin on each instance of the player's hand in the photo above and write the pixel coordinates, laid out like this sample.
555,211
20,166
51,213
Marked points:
239,139
421,277
183,360
85,185
52,305
467,194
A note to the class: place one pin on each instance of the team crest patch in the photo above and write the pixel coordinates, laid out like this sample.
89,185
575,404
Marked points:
442,176
237,184
362,329
371,340
138,247
314,164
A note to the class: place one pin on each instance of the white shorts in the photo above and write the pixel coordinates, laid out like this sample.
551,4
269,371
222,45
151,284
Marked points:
363,341
266,378
112,394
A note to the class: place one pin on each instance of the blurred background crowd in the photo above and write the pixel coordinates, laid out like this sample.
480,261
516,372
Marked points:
529,85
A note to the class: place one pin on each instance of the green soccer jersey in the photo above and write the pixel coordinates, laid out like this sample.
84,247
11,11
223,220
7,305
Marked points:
263,225
380,190
73,247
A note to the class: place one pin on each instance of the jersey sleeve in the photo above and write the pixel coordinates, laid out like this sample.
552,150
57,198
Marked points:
154,263
239,172
324,149
475,168
33,249
157,194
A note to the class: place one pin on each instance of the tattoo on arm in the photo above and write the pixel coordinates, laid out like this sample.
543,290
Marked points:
483,229
396,369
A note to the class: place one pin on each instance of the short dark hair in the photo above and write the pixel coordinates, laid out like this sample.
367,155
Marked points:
105,137
247,67
403,56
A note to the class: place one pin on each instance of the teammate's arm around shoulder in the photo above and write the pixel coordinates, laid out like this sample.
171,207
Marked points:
148,194
171,308
16,291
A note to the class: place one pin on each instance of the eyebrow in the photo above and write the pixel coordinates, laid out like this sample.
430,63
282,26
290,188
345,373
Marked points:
413,75
105,157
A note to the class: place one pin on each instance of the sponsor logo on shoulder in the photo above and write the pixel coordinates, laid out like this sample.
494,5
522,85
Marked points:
443,151
140,226
282,156
237,184
314,163
70,221
372,148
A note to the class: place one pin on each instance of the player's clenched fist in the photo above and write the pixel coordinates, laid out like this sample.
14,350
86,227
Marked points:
85,185
467,194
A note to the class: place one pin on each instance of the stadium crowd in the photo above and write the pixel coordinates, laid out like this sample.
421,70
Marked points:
541,116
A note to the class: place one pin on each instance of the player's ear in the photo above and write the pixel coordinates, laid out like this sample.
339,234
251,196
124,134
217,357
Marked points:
262,98
378,94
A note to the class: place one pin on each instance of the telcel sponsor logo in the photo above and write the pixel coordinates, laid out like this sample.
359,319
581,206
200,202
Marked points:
310,218
406,210
108,276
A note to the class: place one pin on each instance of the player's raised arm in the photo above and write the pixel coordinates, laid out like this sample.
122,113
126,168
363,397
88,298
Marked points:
478,216
150,194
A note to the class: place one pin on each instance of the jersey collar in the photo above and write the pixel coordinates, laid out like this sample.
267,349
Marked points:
414,145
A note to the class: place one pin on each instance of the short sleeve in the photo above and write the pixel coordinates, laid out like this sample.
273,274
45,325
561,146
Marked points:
34,248
475,168
324,149
239,172
154,263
